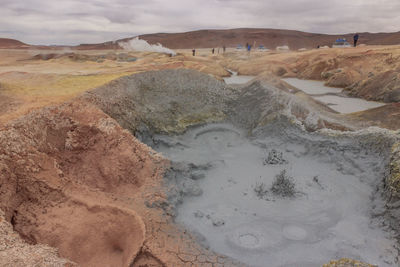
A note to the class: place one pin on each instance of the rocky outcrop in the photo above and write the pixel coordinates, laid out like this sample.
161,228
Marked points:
341,77
384,86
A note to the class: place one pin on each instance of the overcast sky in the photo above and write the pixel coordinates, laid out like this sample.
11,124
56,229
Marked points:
92,21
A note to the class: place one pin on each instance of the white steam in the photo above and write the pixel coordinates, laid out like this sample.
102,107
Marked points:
142,45
282,48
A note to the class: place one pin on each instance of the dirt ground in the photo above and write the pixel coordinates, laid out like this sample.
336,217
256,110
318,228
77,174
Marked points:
30,79
370,72
70,174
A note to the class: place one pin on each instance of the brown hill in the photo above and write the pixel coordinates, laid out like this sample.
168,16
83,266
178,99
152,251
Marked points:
11,43
270,38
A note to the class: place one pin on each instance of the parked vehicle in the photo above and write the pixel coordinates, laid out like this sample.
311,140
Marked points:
340,42
262,48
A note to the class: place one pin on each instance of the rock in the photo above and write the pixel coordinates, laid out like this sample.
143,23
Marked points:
274,157
199,214
280,71
342,78
392,96
218,222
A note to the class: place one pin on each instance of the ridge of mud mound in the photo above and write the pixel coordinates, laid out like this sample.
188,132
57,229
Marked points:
170,101
163,101
261,103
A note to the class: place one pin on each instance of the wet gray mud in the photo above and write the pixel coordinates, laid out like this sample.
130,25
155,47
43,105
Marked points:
224,193
271,186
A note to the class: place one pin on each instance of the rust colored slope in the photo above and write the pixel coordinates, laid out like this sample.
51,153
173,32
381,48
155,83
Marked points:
11,43
49,158
72,178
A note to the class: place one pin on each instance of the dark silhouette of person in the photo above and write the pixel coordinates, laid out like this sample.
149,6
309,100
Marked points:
213,50
194,52
224,48
355,38
248,47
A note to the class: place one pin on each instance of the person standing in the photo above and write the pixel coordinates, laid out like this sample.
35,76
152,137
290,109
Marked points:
213,50
194,52
355,38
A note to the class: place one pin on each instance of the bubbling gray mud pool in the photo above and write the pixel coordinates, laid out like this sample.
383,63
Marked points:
217,173
265,191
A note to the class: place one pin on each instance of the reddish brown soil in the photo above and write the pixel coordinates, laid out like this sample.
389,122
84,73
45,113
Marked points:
11,43
14,252
387,116
47,157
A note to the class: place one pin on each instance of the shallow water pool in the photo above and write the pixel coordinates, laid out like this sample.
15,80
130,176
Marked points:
339,103
237,79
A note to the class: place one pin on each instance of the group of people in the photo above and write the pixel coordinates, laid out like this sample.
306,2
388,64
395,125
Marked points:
355,40
248,46
212,50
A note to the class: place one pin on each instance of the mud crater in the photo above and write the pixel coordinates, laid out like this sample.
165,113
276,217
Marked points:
216,167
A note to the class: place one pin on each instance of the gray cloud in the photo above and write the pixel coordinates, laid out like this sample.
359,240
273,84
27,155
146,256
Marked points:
76,21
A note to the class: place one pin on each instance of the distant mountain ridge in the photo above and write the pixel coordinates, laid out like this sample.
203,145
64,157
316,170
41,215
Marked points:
11,43
269,38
